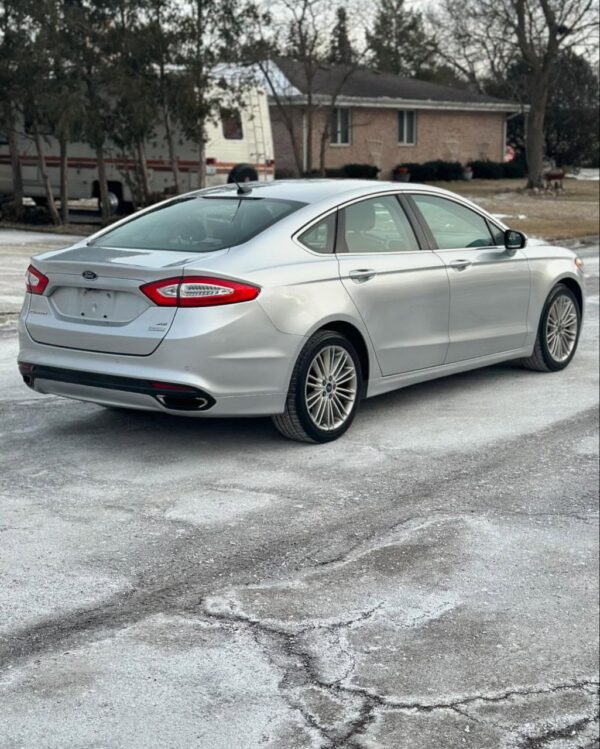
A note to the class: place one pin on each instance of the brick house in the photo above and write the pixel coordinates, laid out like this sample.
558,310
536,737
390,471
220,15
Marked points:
381,119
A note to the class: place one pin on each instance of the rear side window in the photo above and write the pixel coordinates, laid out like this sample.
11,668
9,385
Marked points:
199,224
378,225
321,236
453,225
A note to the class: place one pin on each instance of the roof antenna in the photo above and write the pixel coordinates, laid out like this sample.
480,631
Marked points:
242,189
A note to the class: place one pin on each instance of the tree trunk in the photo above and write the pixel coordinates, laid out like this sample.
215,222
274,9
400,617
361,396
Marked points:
144,177
103,184
293,122
132,184
323,145
309,134
296,148
15,164
171,147
64,179
202,163
535,143
169,130
45,176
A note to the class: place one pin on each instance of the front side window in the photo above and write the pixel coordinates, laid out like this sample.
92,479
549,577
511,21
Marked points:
407,128
453,225
340,126
321,236
497,234
199,224
378,225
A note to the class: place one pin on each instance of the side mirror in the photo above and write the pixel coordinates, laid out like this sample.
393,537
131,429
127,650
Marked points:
514,240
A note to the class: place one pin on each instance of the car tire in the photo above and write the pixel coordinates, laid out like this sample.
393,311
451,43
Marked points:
558,332
325,390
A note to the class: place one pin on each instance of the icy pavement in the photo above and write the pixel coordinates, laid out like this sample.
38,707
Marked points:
428,581
16,247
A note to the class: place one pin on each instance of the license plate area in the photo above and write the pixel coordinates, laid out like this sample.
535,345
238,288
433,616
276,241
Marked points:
97,304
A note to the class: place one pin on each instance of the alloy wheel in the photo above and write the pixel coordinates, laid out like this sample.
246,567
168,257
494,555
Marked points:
561,328
331,387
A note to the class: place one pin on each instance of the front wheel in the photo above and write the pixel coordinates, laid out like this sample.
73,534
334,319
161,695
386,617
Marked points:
324,391
558,332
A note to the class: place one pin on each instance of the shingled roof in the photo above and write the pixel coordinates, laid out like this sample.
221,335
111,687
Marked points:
369,85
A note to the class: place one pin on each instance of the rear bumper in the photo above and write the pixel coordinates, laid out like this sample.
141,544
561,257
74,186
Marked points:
171,396
231,406
240,363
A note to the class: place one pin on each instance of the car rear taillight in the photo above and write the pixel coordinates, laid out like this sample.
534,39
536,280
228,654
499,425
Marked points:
35,281
198,291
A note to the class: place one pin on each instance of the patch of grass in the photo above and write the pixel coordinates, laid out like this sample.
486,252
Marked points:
573,213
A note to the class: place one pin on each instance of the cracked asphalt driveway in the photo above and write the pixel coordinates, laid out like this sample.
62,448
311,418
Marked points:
428,581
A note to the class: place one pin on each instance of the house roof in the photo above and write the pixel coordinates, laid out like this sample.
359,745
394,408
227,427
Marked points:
370,88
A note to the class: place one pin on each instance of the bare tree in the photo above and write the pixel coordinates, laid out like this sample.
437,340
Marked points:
482,38
165,36
11,50
303,36
213,34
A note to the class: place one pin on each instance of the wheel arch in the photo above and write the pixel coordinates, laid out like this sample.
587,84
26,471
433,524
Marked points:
573,285
354,335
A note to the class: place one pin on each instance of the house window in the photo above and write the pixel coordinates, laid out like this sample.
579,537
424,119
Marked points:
340,127
232,124
406,127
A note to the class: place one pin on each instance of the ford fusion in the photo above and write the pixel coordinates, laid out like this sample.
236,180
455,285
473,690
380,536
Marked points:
295,300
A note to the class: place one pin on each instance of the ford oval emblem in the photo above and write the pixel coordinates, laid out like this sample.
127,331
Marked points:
89,274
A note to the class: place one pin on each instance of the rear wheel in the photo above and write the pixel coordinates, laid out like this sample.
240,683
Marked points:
324,391
558,332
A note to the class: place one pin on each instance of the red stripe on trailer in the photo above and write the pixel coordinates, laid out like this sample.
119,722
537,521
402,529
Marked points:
83,162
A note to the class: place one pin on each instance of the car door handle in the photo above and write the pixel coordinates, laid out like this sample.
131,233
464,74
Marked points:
360,275
460,264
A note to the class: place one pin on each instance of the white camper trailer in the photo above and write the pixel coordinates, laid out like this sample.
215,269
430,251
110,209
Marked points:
239,144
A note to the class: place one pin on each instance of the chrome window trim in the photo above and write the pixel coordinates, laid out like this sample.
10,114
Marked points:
476,209
391,192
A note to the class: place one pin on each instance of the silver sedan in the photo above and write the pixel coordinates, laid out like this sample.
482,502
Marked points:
294,299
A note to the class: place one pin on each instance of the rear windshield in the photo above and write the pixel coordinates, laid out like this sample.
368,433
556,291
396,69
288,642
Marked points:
199,224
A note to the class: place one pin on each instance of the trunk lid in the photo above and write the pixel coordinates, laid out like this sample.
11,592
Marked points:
93,300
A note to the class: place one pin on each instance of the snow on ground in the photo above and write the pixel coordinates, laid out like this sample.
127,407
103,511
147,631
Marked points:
20,237
16,248
502,216
591,174
428,580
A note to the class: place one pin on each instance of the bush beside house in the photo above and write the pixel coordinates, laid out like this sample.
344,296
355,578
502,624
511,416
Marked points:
449,171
